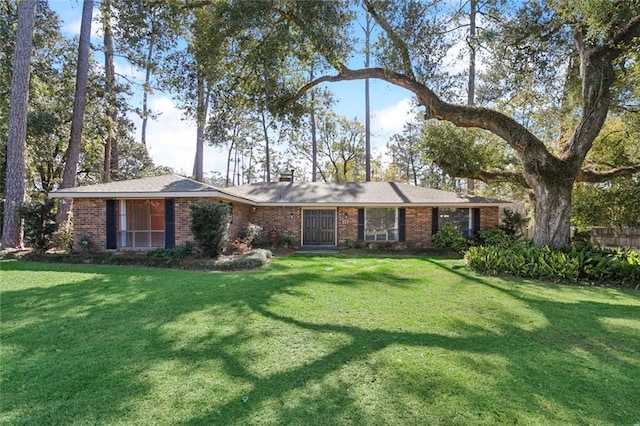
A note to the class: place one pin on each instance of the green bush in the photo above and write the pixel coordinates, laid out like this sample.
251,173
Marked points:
288,240
252,235
63,239
578,263
178,252
451,238
495,237
514,223
209,223
39,223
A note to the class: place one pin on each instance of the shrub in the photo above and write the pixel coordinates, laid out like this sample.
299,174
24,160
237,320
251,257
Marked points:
252,235
254,259
63,239
578,263
287,240
581,237
495,237
85,242
177,252
514,223
209,223
450,237
39,223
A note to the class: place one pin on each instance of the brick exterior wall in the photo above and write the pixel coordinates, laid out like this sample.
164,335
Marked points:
277,222
347,224
89,217
90,220
418,226
489,217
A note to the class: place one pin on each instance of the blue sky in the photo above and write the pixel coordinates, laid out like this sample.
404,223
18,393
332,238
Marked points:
171,139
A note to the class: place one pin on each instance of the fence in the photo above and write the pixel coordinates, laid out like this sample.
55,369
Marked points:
616,237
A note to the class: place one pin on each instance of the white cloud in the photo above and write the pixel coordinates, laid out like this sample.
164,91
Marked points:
171,140
128,71
73,27
391,120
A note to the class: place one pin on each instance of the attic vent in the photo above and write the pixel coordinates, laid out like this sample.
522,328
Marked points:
287,177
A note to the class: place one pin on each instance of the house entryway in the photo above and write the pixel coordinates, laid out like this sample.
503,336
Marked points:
319,228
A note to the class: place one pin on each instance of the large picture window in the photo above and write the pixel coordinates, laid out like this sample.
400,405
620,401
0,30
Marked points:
381,224
142,223
460,218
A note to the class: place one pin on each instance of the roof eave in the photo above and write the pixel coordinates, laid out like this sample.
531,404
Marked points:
385,204
149,195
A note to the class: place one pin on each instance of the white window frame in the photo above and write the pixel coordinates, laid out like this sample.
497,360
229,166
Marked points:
395,230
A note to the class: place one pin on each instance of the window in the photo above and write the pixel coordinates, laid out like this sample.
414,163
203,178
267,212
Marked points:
381,225
462,219
142,223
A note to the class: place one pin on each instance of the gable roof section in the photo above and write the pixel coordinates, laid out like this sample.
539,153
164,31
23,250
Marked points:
353,194
150,187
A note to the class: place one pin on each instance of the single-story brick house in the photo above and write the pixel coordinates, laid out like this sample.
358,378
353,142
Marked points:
154,212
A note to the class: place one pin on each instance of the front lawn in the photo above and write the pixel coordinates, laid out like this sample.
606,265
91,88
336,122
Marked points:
313,340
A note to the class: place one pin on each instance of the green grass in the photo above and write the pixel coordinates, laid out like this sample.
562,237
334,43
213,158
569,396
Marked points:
313,340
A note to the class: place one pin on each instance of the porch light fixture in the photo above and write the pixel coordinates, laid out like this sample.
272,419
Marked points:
346,216
291,215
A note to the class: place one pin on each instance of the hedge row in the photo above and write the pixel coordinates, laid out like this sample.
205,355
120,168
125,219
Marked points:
580,263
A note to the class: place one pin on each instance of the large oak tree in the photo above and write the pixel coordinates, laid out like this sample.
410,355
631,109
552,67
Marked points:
599,35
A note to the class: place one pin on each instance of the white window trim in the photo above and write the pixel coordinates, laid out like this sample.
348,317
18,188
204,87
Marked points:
395,225
123,224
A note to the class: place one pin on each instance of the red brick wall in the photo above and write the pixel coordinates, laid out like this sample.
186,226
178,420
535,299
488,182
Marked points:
418,226
489,217
90,220
347,224
276,222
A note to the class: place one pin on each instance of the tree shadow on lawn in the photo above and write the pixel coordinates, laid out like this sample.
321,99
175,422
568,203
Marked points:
91,349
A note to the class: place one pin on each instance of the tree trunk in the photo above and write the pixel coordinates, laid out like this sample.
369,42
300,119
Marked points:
314,141
12,231
314,137
111,142
226,183
147,86
367,107
266,148
72,155
471,88
552,213
201,119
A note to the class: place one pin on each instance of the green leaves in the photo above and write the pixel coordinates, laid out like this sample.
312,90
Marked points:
582,263
209,223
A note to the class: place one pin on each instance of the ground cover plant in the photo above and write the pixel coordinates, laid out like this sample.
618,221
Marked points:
313,340
579,263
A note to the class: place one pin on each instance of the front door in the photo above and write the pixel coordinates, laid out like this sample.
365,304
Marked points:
319,228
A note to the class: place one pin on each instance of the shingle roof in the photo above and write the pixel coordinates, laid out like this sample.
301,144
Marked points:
167,184
331,194
278,193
